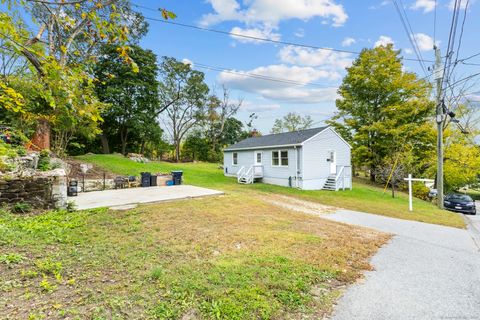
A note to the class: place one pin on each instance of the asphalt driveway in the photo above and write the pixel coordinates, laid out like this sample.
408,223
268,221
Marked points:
425,272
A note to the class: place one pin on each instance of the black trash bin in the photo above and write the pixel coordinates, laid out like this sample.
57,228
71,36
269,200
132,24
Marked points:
177,177
145,179
153,181
72,190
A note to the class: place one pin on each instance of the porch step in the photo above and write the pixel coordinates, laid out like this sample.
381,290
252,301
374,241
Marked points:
330,184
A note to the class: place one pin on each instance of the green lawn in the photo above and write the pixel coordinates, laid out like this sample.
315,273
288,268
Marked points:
363,197
227,257
235,256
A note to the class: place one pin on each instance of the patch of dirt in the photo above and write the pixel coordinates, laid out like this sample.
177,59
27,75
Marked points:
94,172
298,205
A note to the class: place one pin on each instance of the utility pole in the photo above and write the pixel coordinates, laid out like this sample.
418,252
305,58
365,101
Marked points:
439,74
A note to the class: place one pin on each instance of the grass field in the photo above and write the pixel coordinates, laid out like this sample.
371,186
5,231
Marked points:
228,257
363,197
236,256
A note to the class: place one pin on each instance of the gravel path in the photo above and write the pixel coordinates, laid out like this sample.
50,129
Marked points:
425,272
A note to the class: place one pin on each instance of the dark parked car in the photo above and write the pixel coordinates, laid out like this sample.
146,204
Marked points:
460,203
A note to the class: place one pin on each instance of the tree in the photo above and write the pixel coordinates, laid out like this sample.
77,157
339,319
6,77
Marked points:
382,109
232,132
196,146
186,92
59,55
292,122
218,111
132,96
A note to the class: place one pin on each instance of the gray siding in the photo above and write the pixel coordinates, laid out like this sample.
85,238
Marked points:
271,174
315,154
245,158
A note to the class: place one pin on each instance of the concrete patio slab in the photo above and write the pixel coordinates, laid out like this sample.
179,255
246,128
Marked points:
122,197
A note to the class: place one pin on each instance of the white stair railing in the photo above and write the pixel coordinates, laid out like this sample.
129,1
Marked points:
240,174
249,175
340,179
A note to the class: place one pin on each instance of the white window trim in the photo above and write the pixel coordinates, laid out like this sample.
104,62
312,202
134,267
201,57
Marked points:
233,159
280,159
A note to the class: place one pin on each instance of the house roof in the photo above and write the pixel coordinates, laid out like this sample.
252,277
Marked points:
275,140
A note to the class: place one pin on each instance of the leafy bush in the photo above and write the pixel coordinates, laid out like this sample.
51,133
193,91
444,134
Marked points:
22,207
71,206
420,191
44,160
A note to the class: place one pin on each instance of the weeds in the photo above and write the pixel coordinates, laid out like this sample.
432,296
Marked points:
11,258
22,207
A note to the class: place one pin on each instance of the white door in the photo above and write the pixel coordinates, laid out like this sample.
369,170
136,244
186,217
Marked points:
258,157
333,162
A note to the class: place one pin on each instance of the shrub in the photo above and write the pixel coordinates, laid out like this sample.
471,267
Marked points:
420,191
44,160
71,206
22,207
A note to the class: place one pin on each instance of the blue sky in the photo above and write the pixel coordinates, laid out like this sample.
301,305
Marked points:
350,25
307,79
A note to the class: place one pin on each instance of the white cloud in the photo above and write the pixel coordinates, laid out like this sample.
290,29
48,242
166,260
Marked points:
382,4
296,91
425,5
384,41
265,33
271,12
408,51
302,95
300,33
187,61
322,59
249,106
348,41
425,42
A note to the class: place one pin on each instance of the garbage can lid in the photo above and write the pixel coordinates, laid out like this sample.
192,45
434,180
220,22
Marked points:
177,171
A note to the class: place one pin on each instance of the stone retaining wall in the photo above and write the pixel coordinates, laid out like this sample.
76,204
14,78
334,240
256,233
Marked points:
45,191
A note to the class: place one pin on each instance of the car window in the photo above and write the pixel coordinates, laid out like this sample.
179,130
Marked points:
460,197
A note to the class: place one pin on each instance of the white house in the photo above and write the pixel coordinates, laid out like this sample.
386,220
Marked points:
311,159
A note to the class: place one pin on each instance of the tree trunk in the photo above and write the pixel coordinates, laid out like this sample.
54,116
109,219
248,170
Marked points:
393,188
105,146
123,137
41,137
142,148
372,175
177,152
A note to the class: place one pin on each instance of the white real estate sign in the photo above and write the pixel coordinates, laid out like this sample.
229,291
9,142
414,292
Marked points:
410,196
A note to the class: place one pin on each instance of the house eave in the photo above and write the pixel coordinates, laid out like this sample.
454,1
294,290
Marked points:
264,147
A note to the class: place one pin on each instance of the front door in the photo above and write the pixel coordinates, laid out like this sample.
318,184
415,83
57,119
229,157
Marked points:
333,162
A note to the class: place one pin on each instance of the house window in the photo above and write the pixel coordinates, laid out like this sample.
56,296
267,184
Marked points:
235,158
331,156
280,158
284,158
258,158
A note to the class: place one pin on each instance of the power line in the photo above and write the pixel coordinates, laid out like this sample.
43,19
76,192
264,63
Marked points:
470,57
257,76
288,43
408,29
461,33
435,23
451,43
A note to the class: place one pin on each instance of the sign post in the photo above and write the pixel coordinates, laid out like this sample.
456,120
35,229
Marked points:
410,191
